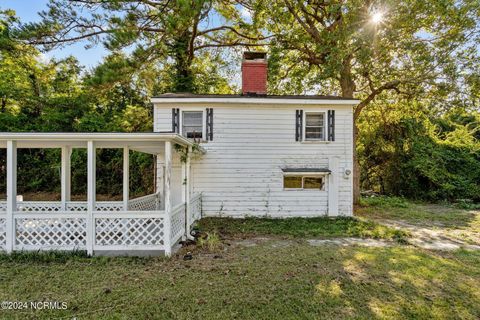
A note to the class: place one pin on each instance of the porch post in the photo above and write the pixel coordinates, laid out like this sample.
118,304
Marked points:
188,185
161,179
168,200
126,177
66,176
183,184
91,194
11,194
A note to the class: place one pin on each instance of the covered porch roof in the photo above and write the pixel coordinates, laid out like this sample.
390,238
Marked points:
150,142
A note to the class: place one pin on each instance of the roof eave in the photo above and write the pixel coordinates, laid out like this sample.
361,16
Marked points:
223,100
101,136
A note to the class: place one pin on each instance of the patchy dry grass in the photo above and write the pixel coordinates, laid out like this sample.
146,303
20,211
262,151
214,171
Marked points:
452,221
300,227
259,282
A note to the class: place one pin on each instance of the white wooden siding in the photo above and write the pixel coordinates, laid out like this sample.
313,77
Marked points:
241,172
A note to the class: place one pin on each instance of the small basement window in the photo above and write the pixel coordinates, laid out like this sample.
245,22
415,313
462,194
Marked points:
192,124
304,182
314,126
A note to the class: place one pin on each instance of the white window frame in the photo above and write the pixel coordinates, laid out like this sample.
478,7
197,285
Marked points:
303,176
304,125
204,115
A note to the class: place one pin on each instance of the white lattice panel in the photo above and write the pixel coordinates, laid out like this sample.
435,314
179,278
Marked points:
51,232
129,231
77,206
3,206
39,206
195,207
146,203
178,222
107,206
3,232
110,206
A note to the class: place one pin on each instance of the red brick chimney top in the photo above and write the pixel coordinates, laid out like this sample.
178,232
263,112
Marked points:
254,73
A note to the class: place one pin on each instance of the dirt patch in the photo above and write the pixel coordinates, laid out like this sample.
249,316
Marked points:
349,242
436,237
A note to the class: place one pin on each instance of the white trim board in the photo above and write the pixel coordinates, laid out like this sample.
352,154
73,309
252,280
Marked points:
255,101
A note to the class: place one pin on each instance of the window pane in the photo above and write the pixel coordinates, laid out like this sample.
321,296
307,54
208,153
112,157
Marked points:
193,132
192,124
314,119
314,133
313,183
292,182
314,126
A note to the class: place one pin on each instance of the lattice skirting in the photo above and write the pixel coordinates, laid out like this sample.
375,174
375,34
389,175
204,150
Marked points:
60,233
195,208
129,231
178,225
3,231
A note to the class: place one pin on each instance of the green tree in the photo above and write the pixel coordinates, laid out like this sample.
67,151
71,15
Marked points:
367,48
161,31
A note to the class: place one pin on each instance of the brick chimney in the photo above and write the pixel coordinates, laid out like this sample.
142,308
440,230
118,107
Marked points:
254,73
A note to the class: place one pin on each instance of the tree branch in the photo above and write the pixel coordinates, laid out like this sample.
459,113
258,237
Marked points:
391,85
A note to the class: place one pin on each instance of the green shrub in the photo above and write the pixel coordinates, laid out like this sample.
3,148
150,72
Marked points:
211,241
421,157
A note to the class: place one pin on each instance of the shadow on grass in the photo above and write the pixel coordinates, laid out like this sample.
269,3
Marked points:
401,283
292,282
42,257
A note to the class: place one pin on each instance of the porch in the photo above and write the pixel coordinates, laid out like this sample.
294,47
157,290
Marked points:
152,224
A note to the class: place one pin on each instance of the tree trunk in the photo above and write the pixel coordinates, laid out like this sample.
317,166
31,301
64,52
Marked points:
4,105
356,166
348,88
183,81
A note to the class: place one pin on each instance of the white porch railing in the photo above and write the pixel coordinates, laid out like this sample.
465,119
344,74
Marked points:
146,203
130,230
3,224
43,225
70,206
47,230
195,207
177,229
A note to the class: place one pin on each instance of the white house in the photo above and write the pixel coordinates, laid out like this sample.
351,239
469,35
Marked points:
278,156
255,154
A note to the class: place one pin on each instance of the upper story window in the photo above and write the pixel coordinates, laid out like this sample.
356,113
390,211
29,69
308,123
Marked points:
314,126
192,124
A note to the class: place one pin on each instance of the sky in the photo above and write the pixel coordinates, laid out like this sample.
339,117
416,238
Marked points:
27,11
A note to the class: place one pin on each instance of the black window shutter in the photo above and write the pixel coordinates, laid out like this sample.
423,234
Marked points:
175,120
298,125
209,124
331,125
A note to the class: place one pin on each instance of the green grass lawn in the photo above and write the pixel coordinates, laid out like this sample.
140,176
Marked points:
260,282
279,277
299,227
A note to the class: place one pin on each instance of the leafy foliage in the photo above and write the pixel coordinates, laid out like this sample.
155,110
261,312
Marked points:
426,157
415,72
